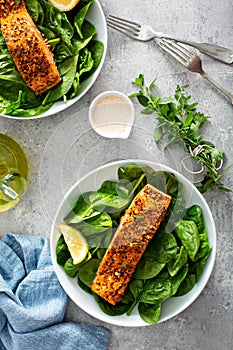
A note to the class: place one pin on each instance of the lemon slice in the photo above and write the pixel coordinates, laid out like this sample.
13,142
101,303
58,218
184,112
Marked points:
64,5
76,243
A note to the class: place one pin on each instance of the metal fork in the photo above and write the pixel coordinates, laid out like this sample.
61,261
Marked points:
190,60
144,32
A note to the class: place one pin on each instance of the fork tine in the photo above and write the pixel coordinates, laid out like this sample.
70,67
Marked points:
123,21
122,30
183,49
177,50
169,49
124,26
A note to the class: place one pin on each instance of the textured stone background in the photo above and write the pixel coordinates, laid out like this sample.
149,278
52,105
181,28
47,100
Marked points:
63,147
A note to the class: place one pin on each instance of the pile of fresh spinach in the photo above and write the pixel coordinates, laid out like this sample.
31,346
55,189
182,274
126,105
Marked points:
174,259
76,52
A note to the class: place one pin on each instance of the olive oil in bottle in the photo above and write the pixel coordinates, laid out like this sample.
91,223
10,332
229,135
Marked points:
13,172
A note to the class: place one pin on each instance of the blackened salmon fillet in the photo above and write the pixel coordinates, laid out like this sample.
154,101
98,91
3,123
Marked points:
137,227
31,54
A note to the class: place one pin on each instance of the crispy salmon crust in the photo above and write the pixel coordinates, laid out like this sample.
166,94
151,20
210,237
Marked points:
137,227
31,55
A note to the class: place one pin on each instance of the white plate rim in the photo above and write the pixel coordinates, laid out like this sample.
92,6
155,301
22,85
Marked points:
134,319
60,106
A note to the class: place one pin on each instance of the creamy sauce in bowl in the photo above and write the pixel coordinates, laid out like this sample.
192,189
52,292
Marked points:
111,114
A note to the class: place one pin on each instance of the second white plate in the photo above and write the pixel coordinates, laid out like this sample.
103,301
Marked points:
172,306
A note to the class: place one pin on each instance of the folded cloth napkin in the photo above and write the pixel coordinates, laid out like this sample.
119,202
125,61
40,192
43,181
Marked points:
33,303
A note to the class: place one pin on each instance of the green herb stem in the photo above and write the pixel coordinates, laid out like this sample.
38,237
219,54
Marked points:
180,120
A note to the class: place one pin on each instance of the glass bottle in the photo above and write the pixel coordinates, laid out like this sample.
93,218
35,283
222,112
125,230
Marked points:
13,172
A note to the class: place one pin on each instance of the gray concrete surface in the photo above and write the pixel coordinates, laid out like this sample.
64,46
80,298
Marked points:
63,147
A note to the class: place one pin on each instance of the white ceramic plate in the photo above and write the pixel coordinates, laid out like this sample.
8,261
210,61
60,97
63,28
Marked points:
172,306
96,16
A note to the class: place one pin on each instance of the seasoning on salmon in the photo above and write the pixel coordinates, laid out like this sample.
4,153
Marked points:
137,227
31,55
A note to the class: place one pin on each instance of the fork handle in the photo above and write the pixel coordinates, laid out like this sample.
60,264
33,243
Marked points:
220,53
219,87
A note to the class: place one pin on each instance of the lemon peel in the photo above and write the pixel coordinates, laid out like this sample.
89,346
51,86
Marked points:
64,5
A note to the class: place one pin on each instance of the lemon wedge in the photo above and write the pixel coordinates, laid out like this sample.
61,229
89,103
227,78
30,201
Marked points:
64,5
76,243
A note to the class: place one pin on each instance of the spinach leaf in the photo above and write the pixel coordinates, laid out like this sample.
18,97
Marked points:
130,172
62,252
88,271
33,9
16,104
175,211
107,238
149,313
194,213
68,70
135,288
85,64
8,71
164,246
178,262
168,183
178,279
100,240
31,112
111,310
89,31
84,287
100,253
198,266
133,172
58,23
163,286
165,182
96,48
79,18
94,225
111,197
157,290
185,287
12,85
204,248
188,234
148,266
81,210
72,269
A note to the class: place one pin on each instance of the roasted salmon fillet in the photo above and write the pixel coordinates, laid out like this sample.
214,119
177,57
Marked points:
137,227
31,55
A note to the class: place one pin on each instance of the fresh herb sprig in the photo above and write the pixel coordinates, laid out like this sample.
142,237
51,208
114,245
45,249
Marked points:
180,121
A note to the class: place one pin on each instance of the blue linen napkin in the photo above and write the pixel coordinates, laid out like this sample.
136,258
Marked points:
33,303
